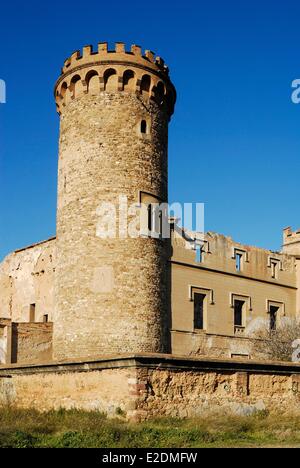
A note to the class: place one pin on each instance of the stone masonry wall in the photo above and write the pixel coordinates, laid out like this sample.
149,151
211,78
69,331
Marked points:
191,393
152,386
217,277
112,295
104,390
32,342
218,346
27,277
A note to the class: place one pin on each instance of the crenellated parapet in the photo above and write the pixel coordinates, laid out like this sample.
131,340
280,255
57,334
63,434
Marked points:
291,241
289,236
118,70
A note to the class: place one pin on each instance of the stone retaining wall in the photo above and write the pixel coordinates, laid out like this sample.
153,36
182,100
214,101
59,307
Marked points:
145,386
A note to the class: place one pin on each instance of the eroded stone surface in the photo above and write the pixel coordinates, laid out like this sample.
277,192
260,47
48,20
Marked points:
141,391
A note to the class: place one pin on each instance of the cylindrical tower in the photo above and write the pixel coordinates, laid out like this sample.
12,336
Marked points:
112,294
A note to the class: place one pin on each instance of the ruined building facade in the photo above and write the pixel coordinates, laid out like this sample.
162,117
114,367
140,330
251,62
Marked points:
79,296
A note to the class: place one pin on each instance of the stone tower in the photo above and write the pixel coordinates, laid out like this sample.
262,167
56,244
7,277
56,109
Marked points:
112,294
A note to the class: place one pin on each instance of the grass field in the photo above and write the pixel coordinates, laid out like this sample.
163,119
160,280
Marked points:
59,429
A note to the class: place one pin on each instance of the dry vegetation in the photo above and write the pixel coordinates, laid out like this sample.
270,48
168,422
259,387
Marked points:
277,345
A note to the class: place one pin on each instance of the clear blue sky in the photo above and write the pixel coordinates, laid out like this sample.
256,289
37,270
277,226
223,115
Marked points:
235,136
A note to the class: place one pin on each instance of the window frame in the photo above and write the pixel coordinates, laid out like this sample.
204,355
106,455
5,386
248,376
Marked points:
32,313
208,301
246,311
277,263
281,310
199,320
273,317
148,122
244,258
152,213
240,311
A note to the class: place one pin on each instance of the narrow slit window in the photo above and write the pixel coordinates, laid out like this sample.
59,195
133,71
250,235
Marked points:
199,311
144,127
46,318
160,223
150,218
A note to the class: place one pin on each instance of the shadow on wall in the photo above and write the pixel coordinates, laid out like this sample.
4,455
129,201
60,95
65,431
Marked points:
32,342
14,344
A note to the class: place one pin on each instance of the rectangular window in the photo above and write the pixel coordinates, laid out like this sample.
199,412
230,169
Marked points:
238,313
273,317
199,254
32,313
199,311
275,266
45,318
238,261
274,269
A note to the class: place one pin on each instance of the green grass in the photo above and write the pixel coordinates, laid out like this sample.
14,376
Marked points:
59,429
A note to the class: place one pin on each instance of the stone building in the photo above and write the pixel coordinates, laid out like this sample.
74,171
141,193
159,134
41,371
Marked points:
81,296
78,295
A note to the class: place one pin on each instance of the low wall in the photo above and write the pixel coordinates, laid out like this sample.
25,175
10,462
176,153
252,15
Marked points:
145,386
104,385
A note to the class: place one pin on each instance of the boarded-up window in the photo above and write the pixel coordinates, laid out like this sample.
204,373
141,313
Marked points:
32,313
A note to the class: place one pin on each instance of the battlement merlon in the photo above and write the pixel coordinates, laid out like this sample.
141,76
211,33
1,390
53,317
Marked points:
119,53
130,71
